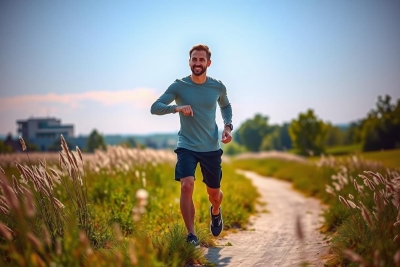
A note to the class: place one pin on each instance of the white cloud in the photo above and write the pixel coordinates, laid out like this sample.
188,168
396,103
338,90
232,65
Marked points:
140,98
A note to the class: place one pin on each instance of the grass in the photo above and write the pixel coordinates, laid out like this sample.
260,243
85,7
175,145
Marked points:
362,195
344,150
120,207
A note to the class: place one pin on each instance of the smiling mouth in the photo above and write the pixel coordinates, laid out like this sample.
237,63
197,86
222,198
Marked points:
198,68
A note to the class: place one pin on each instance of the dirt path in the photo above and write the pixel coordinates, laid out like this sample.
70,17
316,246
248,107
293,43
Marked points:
271,239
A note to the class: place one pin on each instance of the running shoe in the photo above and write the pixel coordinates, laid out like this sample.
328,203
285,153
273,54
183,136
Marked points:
193,240
216,223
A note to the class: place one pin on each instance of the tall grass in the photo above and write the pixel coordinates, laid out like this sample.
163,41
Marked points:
117,207
362,218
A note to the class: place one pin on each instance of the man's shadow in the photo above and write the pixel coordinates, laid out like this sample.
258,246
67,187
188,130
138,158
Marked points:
214,256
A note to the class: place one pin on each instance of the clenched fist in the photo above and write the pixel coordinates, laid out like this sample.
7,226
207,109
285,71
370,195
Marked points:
186,110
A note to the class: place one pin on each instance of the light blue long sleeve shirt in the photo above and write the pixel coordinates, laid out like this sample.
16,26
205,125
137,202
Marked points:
198,132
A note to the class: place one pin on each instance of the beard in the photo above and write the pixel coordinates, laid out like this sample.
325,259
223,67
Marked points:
198,73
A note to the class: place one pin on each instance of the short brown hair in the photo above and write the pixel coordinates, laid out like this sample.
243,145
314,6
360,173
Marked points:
201,47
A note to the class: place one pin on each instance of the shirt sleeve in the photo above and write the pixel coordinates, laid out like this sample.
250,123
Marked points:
225,106
162,105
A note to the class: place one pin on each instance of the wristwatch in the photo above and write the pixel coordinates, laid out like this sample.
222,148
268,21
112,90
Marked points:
230,126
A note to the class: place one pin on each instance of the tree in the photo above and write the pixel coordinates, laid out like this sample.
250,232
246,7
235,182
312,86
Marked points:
95,141
277,139
381,128
129,142
334,136
251,132
308,134
4,148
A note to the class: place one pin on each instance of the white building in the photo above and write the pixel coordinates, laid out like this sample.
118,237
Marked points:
44,132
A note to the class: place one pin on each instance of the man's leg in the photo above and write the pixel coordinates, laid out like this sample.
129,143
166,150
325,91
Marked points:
186,203
215,196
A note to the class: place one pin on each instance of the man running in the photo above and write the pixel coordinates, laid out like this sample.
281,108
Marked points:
196,97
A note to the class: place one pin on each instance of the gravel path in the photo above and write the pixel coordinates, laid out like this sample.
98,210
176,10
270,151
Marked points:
271,239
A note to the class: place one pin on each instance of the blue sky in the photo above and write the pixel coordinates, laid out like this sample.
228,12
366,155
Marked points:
101,64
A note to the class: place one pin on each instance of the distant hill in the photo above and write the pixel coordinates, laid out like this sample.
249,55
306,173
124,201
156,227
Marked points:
160,140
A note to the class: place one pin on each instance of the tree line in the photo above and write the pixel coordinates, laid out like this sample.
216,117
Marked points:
309,135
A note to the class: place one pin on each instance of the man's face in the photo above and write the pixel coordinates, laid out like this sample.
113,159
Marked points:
198,62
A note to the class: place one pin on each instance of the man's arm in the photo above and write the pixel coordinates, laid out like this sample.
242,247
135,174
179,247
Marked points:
161,106
226,112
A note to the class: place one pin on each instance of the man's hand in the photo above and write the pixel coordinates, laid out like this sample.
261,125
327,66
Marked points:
226,135
186,110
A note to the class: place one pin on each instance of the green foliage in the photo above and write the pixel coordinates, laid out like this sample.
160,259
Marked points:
308,134
251,132
233,148
95,141
277,139
334,136
130,142
381,128
5,148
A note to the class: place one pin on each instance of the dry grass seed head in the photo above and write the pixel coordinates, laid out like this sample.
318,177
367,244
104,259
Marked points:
396,258
79,153
9,194
367,217
30,205
132,254
341,199
85,242
21,140
352,204
46,235
6,232
354,257
34,240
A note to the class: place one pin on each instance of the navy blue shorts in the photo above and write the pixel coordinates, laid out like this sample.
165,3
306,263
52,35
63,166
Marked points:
210,164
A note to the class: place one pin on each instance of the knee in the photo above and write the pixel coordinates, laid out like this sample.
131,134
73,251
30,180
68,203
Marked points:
187,186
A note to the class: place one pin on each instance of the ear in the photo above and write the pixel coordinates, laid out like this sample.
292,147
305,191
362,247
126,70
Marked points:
208,63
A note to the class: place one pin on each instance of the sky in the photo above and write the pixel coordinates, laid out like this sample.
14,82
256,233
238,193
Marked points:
101,64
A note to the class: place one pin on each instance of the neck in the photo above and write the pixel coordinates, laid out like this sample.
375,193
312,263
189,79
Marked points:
198,79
